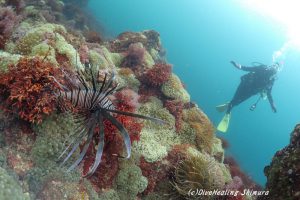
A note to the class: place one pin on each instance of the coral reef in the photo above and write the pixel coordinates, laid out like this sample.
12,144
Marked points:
283,173
43,43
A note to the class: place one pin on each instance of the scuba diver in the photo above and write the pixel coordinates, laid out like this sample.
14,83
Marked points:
260,79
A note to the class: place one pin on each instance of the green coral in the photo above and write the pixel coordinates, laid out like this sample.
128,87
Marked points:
63,47
112,59
7,59
35,36
148,60
36,177
46,51
128,80
51,135
106,60
109,195
130,182
150,147
187,134
173,88
10,188
156,140
155,196
154,108
97,60
217,150
154,54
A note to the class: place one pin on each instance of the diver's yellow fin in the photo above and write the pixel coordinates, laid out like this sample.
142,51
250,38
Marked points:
223,125
222,108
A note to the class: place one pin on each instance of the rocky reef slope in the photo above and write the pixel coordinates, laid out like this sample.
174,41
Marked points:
45,39
283,174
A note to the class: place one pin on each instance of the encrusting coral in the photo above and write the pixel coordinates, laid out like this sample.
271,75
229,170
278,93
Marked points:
202,126
174,89
10,188
130,182
52,134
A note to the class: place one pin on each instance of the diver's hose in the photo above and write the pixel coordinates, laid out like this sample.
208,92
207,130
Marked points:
252,108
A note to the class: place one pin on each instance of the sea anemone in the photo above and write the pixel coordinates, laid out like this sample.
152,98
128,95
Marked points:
94,106
198,171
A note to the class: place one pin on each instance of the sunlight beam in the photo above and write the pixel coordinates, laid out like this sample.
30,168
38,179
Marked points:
285,12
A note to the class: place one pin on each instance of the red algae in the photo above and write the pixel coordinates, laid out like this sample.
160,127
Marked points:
176,109
157,75
235,170
162,170
27,89
103,177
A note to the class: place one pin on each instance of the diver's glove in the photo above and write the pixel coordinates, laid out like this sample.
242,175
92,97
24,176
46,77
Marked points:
274,108
239,66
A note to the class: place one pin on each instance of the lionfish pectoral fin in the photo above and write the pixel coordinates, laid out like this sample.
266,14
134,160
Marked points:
122,130
76,140
69,154
160,121
99,150
84,150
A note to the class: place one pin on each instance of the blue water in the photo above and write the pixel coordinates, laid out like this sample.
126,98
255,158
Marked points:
201,37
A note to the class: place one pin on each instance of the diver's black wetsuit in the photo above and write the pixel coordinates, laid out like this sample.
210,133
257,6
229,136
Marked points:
259,79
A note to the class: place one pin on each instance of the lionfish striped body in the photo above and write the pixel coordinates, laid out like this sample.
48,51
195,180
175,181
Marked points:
85,98
94,107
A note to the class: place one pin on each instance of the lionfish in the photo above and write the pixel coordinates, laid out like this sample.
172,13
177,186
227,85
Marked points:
94,107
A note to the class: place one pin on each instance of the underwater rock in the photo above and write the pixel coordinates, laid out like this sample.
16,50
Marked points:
19,163
283,174
54,189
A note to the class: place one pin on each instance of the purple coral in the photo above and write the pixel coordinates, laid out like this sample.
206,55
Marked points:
8,20
134,56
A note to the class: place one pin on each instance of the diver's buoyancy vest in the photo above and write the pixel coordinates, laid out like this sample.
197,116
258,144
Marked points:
261,79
